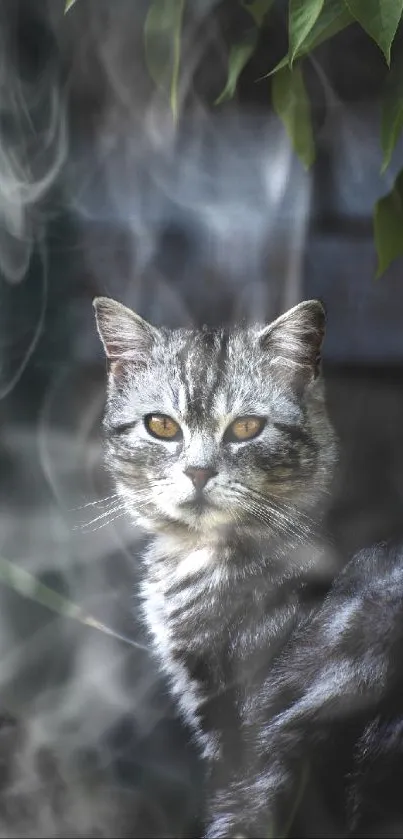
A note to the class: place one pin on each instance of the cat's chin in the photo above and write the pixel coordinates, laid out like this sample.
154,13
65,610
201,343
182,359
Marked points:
190,517
200,516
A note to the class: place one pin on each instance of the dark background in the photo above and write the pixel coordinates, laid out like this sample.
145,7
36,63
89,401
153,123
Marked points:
213,221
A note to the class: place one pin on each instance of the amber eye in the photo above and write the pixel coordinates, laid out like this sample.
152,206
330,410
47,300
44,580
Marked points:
163,427
244,428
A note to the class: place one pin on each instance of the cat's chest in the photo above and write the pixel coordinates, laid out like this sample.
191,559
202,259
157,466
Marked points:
181,604
182,599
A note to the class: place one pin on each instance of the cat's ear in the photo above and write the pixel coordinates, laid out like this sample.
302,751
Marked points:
294,340
124,335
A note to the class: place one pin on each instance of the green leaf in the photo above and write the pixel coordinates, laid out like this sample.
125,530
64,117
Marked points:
379,18
258,9
238,57
69,4
291,103
333,18
241,52
392,110
28,586
162,38
388,226
302,16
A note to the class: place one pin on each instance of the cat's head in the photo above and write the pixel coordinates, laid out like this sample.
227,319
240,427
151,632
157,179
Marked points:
210,429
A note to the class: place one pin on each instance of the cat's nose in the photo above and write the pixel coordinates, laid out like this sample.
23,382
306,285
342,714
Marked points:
199,476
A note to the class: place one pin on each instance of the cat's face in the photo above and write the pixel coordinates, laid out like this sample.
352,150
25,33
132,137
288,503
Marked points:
210,429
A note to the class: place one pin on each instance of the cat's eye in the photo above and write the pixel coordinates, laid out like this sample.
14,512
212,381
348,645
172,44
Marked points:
244,428
162,427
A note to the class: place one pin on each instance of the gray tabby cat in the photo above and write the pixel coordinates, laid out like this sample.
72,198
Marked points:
221,449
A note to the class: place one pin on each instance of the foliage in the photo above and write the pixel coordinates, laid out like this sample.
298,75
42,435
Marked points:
392,110
310,23
388,225
162,40
29,586
291,103
379,18
241,52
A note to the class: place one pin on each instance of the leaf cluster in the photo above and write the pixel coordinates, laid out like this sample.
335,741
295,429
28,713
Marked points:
310,24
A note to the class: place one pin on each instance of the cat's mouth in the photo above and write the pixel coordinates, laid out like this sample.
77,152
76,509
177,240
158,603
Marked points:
200,512
199,503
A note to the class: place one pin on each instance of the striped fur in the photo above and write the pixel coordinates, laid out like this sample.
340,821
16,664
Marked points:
223,584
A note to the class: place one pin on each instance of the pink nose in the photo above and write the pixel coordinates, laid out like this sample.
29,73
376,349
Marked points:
199,476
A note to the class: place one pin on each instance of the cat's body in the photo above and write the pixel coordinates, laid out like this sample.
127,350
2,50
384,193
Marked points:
212,646
287,671
221,448
324,736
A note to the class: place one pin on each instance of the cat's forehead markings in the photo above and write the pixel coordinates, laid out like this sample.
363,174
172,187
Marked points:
230,402
201,360
182,397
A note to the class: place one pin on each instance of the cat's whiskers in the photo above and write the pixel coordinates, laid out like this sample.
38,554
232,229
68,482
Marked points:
284,506
94,503
267,519
289,505
112,513
271,498
106,513
265,512
88,529
298,523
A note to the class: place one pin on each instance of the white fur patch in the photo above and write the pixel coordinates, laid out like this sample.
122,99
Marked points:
158,608
194,562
